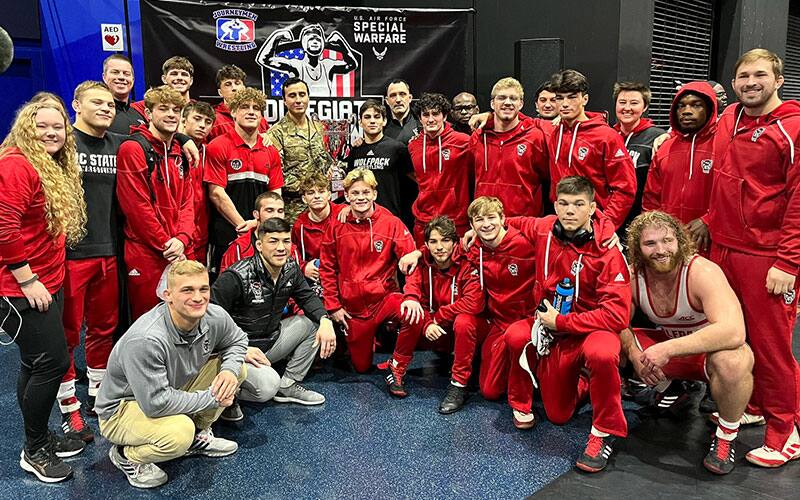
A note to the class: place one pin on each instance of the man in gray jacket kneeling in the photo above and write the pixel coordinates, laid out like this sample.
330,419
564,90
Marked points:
169,378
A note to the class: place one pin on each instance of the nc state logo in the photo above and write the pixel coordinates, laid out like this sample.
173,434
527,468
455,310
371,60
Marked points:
788,297
179,166
513,269
446,154
521,148
236,164
582,152
576,268
757,133
706,165
379,246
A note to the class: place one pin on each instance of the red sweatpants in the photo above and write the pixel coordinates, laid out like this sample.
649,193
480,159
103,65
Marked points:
558,376
493,376
419,232
145,268
361,331
769,320
91,292
463,335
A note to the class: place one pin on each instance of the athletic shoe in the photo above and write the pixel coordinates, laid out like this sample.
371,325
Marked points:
65,446
74,426
673,401
45,465
747,419
138,475
394,379
768,457
296,393
233,413
721,456
205,443
90,407
595,456
523,421
453,400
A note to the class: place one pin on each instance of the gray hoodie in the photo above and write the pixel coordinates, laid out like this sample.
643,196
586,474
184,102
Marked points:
153,360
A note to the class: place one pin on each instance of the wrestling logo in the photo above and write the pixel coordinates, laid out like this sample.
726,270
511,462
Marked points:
757,133
445,154
327,63
513,269
379,246
706,165
582,152
236,164
576,267
235,29
788,297
521,148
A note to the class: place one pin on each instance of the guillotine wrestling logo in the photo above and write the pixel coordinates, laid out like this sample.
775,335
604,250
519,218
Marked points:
329,65
236,29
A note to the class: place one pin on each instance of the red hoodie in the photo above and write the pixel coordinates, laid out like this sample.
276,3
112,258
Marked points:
594,150
600,275
307,235
506,273
158,208
445,294
679,181
443,167
755,203
511,166
358,261
23,227
223,122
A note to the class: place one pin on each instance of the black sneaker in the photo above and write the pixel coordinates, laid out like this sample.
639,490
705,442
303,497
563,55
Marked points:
233,413
453,400
65,446
394,379
721,456
74,426
45,465
595,456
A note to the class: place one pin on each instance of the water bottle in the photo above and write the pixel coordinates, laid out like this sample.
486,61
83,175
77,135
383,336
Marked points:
316,263
565,292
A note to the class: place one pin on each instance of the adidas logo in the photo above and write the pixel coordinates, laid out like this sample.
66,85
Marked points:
619,277
134,272
370,153
619,153
289,283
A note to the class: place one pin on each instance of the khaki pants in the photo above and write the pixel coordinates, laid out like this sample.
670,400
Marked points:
152,440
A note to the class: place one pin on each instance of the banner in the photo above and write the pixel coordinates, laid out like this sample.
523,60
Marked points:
345,54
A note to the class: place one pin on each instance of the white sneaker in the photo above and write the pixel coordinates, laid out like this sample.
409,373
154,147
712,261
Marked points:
205,443
139,475
768,457
747,419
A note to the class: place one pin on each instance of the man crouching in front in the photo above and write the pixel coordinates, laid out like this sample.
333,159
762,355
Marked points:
169,378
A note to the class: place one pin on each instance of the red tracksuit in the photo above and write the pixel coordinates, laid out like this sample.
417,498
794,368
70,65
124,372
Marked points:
754,220
511,166
442,167
506,273
199,250
679,181
307,235
223,122
594,150
588,335
156,210
452,299
358,273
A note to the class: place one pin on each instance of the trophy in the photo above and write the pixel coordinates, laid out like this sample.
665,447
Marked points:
336,138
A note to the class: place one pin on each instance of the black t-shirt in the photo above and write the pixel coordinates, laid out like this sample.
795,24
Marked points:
388,159
97,158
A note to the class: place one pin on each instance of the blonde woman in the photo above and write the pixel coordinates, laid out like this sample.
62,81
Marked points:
41,210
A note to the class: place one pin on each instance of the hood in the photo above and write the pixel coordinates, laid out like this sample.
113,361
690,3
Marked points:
489,133
458,256
222,108
644,124
704,90
174,149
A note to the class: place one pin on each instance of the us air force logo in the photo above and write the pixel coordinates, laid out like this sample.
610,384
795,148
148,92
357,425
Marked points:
446,154
582,152
576,268
236,164
379,246
706,165
757,133
788,297
513,269
521,148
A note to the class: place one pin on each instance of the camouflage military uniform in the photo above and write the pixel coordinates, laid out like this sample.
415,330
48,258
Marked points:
302,151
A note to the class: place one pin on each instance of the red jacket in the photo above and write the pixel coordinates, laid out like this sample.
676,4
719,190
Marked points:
201,204
594,150
223,122
307,235
602,281
358,261
679,181
506,273
511,166
23,227
755,203
445,294
443,167
158,208
243,247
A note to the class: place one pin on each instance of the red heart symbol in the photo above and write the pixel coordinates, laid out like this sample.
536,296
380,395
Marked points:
112,39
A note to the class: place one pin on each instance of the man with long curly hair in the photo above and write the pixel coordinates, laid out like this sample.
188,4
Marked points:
41,210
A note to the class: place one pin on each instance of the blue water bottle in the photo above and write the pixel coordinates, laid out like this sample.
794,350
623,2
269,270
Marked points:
565,292
316,263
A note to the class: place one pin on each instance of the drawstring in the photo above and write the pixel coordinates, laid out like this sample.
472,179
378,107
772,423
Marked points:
440,154
485,155
736,125
453,290
578,279
791,142
430,289
628,139
691,157
560,135
19,327
371,243
238,253
424,153
547,253
480,264
572,145
166,162
302,241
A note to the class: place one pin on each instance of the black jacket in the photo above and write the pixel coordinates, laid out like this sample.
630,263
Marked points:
256,303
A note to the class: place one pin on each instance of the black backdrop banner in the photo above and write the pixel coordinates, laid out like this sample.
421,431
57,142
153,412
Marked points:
345,54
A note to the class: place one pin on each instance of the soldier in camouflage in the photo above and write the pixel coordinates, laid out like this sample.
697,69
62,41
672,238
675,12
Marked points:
299,139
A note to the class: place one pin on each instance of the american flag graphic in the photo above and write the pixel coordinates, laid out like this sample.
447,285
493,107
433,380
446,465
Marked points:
343,85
